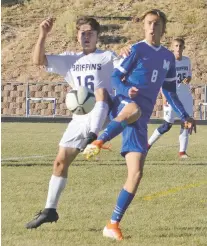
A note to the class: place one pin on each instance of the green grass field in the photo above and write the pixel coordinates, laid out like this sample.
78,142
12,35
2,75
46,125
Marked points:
169,209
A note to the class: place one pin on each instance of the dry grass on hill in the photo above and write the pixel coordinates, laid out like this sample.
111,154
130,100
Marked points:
20,25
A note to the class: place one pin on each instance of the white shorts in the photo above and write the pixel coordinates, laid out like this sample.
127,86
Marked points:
169,113
77,130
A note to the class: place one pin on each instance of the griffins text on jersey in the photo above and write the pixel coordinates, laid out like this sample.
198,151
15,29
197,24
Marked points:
86,67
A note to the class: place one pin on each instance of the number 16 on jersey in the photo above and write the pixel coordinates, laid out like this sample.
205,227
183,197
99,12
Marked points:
87,81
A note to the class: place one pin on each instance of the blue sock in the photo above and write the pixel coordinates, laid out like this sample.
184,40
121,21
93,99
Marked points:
122,204
113,129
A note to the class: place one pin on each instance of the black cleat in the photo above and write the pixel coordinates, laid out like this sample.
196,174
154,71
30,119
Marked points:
45,216
89,139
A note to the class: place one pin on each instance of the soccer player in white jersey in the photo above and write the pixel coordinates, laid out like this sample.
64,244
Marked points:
91,68
87,68
184,74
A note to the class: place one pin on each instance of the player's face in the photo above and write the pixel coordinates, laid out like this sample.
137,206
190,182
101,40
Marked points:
153,26
87,37
177,48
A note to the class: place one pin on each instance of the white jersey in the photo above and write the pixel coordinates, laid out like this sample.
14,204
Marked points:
93,70
183,69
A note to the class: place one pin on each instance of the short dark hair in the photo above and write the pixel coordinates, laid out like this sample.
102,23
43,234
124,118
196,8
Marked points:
88,20
158,13
180,40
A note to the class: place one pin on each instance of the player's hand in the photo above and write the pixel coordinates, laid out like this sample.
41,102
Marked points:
186,81
125,51
165,103
46,26
190,124
133,92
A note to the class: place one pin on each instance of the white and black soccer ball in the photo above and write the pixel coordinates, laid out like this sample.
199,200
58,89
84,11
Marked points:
80,101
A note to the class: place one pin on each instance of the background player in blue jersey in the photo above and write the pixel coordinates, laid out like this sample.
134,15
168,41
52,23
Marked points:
149,67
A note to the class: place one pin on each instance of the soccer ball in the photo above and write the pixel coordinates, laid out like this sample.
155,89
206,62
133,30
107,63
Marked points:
80,101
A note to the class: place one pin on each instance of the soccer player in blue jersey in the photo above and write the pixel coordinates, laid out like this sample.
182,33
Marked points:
148,67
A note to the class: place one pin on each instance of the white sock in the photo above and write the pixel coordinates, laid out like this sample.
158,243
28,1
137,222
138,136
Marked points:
56,186
183,139
155,136
98,117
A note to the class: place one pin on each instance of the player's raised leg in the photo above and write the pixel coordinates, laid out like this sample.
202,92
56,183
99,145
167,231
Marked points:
135,164
57,184
98,116
129,113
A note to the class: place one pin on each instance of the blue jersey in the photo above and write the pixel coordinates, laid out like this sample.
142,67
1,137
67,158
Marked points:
148,68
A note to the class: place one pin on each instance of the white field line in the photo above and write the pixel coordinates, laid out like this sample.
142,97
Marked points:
26,157
43,156
163,146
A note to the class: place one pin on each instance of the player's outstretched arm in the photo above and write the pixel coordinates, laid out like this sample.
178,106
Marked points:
121,71
125,51
118,85
39,57
164,100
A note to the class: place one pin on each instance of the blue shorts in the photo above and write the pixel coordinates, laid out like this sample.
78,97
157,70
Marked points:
134,136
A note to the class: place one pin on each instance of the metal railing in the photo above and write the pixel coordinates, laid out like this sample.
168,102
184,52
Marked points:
203,105
38,99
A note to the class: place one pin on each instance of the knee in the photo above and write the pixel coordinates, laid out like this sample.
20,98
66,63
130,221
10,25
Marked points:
136,177
60,167
165,127
101,94
135,113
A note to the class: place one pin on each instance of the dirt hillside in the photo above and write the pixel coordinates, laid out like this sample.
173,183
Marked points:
20,26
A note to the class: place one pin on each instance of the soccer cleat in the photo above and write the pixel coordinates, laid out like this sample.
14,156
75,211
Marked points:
89,139
183,155
113,231
45,216
93,149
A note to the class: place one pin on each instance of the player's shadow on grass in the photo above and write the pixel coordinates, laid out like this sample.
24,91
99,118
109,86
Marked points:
180,231
95,229
101,229
60,229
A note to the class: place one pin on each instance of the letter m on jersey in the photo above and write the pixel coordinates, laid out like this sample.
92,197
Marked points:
166,65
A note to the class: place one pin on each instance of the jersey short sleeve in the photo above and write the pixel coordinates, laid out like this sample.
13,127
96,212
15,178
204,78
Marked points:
127,64
116,59
59,64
